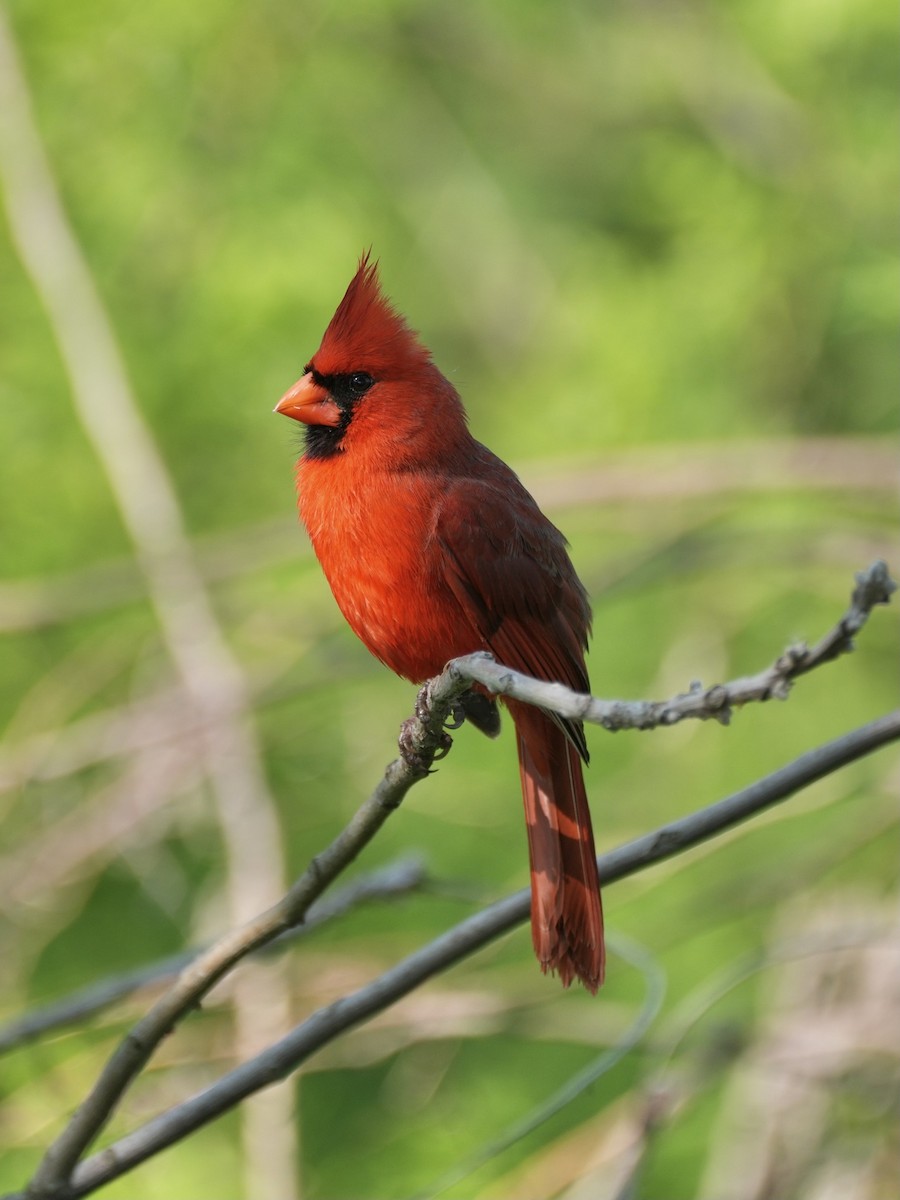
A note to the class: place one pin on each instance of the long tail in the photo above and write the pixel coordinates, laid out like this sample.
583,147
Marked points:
566,916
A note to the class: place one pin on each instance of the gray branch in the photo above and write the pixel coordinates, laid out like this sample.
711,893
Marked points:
51,1177
282,1058
873,586
423,738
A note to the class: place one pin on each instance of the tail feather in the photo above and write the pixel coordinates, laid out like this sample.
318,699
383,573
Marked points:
566,914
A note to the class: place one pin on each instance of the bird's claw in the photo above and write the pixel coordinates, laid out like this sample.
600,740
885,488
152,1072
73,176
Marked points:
408,743
411,730
445,745
456,719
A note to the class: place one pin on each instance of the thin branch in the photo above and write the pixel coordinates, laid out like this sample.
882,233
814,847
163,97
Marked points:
323,1026
873,586
166,716
391,881
193,984
423,737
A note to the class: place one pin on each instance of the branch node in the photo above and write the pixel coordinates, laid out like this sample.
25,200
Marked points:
793,656
874,586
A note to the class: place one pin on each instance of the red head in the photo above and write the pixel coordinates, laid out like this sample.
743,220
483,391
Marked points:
371,379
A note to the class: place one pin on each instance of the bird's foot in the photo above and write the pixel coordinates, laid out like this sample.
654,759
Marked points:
408,742
411,734
445,745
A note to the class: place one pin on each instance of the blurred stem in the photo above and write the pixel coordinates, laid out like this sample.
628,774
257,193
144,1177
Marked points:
389,882
643,961
209,674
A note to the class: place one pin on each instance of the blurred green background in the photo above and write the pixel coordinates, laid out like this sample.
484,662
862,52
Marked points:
654,247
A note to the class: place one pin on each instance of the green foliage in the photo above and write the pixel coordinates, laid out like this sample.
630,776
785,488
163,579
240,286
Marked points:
620,228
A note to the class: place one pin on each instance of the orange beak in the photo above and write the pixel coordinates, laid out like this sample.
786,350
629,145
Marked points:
309,402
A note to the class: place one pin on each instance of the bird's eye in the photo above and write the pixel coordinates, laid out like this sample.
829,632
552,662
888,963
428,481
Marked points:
360,382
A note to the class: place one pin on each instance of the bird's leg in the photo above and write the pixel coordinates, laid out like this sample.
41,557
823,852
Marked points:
411,731
472,706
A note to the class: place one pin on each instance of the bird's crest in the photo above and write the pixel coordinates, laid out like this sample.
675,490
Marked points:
367,333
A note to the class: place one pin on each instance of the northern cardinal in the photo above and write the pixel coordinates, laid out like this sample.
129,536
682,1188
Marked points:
434,549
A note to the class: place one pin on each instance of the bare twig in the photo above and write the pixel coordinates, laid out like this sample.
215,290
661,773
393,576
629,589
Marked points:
164,717
873,586
206,970
389,882
276,1062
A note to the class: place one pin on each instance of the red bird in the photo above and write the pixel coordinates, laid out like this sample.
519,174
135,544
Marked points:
434,549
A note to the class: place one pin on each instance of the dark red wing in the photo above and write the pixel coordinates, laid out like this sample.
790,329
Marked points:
509,568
